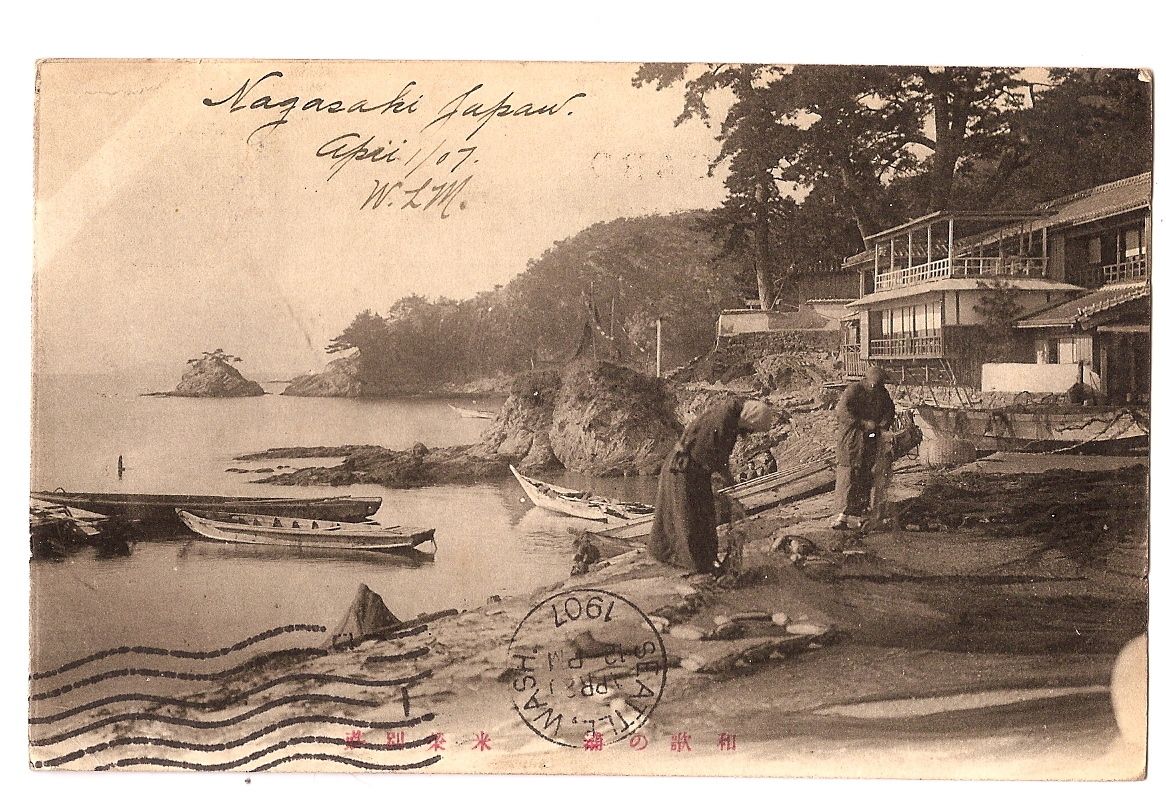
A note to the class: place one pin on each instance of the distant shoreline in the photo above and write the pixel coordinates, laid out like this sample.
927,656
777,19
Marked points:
436,396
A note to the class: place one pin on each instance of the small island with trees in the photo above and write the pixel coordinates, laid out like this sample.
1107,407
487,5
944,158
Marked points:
212,374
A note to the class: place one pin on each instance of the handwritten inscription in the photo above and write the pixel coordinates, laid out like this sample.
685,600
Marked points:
502,108
411,173
245,98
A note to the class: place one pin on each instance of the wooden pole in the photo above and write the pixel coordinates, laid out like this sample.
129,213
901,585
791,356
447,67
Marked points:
1146,245
659,342
951,246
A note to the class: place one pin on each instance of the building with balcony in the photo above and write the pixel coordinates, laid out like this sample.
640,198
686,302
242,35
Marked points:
930,285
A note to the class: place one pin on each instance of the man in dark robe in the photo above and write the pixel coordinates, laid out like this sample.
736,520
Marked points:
864,411
684,532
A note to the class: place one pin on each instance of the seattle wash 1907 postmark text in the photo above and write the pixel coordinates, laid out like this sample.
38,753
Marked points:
587,668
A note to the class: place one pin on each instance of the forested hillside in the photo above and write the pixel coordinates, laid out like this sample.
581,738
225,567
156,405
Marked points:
666,267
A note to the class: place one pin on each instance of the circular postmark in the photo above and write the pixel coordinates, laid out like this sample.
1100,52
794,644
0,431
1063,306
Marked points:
587,668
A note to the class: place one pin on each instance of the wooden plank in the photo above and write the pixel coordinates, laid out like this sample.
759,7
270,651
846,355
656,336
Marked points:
768,480
807,482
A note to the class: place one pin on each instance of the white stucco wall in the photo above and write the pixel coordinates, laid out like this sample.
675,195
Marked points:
1033,377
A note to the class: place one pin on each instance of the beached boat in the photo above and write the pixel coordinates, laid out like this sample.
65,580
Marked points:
579,503
305,533
756,495
1038,428
769,491
159,509
468,413
45,519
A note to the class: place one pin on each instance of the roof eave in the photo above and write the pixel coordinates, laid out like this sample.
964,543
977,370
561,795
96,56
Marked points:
1043,324
1002,215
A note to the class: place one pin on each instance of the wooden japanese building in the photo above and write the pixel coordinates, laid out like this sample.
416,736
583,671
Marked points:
928,286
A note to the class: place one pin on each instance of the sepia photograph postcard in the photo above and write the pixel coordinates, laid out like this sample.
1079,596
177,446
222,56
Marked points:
625,418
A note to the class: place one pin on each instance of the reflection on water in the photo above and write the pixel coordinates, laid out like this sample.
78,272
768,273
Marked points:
198,550
185,593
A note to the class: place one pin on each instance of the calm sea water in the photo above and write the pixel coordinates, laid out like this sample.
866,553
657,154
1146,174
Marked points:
196,594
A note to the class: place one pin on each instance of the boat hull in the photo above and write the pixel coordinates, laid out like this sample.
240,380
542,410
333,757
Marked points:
300,535
755,496
468,413
774,489
559,499
1037,429
556,504
160,509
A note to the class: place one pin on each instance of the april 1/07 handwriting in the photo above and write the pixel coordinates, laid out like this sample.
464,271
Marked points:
435,188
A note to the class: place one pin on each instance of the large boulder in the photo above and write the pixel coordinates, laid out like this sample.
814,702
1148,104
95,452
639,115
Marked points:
214,377
610,420
520,431
340,378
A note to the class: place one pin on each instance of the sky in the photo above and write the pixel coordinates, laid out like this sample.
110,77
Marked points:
165,226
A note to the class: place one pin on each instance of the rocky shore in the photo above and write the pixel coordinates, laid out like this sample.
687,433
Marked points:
593,418
340,378
399,469
965,641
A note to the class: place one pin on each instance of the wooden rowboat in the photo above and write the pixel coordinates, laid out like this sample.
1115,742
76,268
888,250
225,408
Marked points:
579,503
468,413
305,533
159,509
1039,428
776,488
756,495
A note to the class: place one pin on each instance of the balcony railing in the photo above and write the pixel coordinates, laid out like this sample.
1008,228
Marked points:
1131,269
907,346
962,267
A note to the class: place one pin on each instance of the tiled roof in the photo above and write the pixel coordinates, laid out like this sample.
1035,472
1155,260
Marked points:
1103,201
1081,309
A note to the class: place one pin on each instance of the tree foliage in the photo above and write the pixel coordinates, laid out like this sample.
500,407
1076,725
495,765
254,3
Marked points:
815,158
617,277
848,151
999,306
217,356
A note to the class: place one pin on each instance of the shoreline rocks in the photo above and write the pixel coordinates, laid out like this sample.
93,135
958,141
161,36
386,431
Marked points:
304,452
401,469
609,420
593,417
519,431
597,419
340,378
